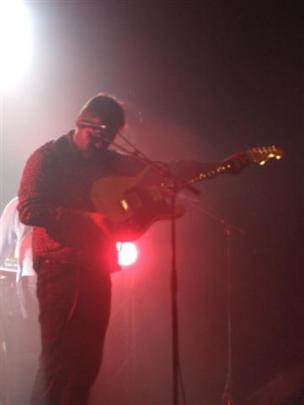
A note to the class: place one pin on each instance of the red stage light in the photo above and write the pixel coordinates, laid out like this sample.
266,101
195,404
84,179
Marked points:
127,253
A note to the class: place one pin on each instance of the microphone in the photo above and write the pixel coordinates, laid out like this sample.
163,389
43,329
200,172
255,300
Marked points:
88,124
105,132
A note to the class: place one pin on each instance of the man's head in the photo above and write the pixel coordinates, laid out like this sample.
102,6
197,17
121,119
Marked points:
97,123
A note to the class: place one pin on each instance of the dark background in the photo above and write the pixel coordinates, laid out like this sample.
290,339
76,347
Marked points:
199,80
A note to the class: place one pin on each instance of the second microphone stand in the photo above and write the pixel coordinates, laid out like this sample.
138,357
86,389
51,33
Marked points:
229,229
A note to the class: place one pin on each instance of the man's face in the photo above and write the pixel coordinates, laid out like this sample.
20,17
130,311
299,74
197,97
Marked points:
94,136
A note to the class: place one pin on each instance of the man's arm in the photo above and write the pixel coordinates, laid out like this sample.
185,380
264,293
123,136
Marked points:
37,206
190,170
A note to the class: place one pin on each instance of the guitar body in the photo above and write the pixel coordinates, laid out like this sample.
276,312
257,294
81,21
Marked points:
133,202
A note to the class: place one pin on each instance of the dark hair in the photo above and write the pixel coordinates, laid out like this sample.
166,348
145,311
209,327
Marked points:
105,107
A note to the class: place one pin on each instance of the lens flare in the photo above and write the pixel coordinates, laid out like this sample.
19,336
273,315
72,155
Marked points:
127,253
15,42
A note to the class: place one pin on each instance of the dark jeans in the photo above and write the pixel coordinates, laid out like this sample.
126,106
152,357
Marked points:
74,314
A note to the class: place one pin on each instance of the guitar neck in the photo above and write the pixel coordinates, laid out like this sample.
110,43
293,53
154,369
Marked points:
259,155
210,173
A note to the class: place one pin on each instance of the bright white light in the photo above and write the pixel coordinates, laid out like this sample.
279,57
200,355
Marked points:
127,253
15,42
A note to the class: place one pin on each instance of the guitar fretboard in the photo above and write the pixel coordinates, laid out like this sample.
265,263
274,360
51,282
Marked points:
209,174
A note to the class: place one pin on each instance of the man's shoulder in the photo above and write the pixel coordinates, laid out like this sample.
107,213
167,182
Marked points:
9,210
11,205
44,149
45,157
51,147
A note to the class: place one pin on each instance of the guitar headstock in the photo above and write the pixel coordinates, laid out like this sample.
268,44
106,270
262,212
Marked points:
261,154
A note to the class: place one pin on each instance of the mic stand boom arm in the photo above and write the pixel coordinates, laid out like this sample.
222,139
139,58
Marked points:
177,183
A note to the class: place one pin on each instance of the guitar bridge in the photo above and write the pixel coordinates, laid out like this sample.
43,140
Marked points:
124,205
131,202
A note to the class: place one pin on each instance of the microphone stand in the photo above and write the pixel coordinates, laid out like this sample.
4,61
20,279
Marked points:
174,309
176,185
227,397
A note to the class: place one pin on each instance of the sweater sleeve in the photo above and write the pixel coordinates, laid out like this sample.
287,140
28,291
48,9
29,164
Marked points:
38,206
193,171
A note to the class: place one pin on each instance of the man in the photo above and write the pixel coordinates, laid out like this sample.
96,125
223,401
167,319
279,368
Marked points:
74,248
15,240
15,243
22,330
